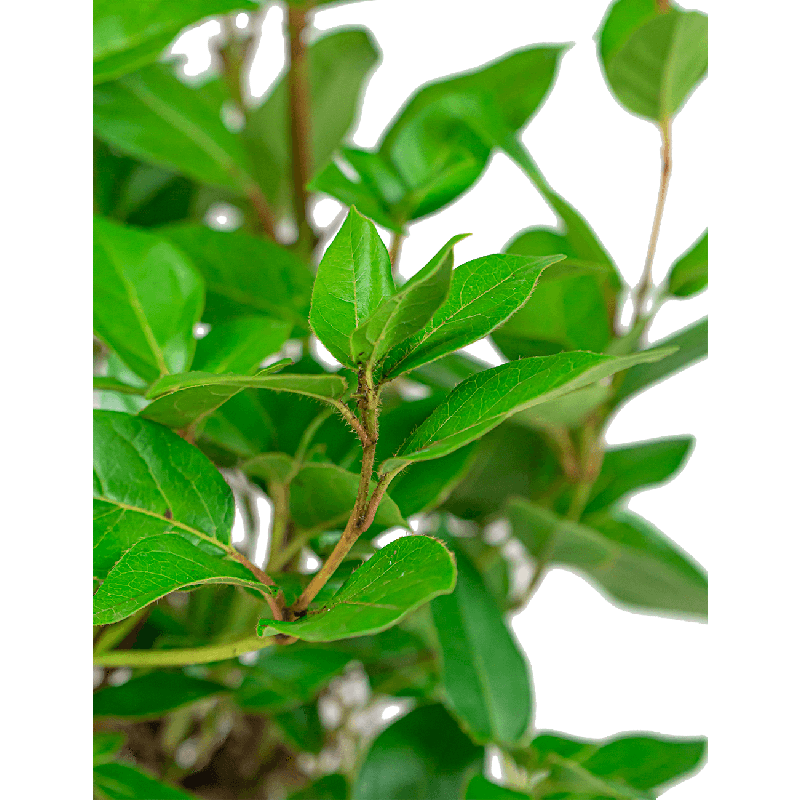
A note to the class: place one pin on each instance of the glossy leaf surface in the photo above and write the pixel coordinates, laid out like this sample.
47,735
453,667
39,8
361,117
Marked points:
241,345
689,274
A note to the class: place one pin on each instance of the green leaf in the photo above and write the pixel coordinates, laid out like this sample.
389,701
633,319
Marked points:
353,280
339,64
321,496
180,400
692,344
481,789
130,35
152,115
152,695
331,787
147,297
483,401
423,755
407,311
106,746
619,552
399,578
652,62
637,466
301,729
484,673
245,275
629,766
239,346
284,677
149,481
689,274
483,294
569,411
158,565
123,782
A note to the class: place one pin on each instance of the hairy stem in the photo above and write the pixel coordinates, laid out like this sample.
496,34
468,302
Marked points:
182,658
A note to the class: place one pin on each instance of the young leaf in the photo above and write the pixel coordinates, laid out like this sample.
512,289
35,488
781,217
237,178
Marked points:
407,311
106,746
149,481
245,275
180,400
483,401
152,115
483,294
353,280
239,346
481,789
117,781
152,695
484,673
158,565
652,62
629,766
621,553
147,297
637,466
392,583
130,35
689,274
423,755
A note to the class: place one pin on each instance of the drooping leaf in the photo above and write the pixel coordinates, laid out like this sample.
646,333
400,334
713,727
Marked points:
653,61
483,401
636,766
106,746
241,345
147,297
689,274
331,787
636,466
158,565
130,35
353,280
484,673
245,275
392,583
479,788
152,115
483,294
423,755
149,481
179,400
115,781
618,552
153,695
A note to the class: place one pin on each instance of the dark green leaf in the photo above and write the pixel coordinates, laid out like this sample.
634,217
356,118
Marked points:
484,673
481,789
354,278
239,346
123,782
396,580
152,695
106,746
423,755
301,729
147,297
331,787
130,35
149,481
620,553
689,274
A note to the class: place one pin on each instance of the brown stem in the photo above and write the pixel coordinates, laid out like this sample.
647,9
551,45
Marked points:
395,246
274,600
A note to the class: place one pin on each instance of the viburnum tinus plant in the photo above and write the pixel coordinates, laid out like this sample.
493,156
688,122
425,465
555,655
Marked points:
222,674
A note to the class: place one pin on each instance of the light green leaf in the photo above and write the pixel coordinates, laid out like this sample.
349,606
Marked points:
620,553
399,578
637,766
245,275
152,695
123,782
130,35
408,310
152,115
158,565
353,280
689,274
149,481
239,346
484,673
180,400
652,62
481,789
483,401
106,746
147,297
483,294
637,466
423,755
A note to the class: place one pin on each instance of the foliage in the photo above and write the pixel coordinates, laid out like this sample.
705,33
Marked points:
210,394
